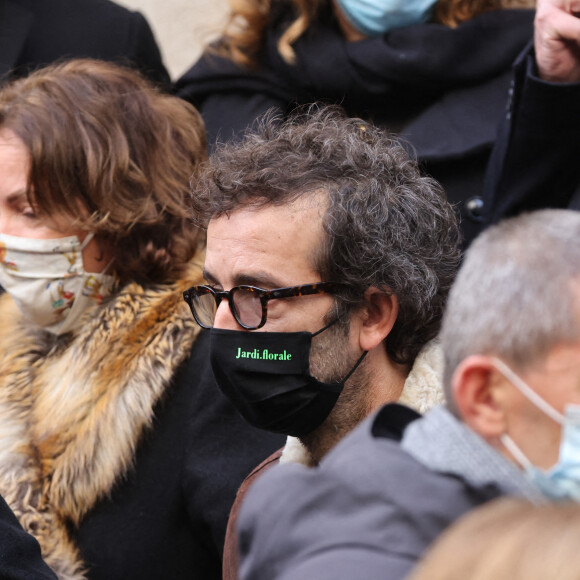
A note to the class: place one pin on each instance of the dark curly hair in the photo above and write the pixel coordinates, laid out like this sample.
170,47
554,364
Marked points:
386,226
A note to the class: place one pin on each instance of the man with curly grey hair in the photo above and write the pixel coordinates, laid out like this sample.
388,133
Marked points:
329,258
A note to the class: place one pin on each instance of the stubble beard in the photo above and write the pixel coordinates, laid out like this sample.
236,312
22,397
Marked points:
331,359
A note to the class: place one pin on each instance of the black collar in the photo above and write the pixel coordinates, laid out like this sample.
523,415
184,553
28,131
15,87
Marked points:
392,420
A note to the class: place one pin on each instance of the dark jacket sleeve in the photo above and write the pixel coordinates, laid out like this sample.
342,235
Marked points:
534,164
20,557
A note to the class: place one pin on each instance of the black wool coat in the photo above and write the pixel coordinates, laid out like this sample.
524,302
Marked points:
34,33
121,435
535,164
168,518
444,90
19,552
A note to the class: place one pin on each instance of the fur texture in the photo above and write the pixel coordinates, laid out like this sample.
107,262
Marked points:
72,410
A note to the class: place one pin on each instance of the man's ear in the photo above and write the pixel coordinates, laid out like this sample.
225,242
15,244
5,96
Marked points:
377,317
478,390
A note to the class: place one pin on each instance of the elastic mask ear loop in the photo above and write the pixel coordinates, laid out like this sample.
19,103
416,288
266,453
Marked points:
86,241
517,453
106,268
84,244
535,399
527,391
356,365
324,328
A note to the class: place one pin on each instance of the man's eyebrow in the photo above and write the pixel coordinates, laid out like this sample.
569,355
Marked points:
209,277
260,279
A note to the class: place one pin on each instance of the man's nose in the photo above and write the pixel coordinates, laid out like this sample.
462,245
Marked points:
224,318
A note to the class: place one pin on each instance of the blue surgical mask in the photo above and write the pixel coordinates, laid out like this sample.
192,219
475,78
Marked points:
562,481
376,17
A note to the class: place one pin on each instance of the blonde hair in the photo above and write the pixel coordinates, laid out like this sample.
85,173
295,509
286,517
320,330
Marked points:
244,34
508,539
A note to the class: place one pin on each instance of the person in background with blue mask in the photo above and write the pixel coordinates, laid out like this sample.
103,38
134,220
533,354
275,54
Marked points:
436,72
510,426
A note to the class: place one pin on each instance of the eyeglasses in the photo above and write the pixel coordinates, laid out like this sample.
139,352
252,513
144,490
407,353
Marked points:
248,304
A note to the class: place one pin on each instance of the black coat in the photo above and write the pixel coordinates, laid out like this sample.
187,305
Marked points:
139,455
535,165
445,90
19,552
168,518
34,33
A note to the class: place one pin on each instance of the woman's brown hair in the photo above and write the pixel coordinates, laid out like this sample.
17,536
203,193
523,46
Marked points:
454,12
244,34
115,155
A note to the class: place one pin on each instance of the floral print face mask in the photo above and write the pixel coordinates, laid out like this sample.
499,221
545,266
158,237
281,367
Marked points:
48,282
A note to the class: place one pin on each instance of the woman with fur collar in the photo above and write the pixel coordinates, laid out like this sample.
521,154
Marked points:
117,450
435,71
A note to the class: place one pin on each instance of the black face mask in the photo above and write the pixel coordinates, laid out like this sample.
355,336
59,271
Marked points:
267,377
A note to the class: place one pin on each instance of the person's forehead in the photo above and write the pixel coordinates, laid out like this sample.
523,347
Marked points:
14,156
273,241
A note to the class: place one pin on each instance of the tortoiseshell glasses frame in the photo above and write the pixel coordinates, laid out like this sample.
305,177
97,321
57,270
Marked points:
248,304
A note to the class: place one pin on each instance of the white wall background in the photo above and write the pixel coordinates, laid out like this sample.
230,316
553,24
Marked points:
181,27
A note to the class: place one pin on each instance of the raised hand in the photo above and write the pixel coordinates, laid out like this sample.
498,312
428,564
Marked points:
557,40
